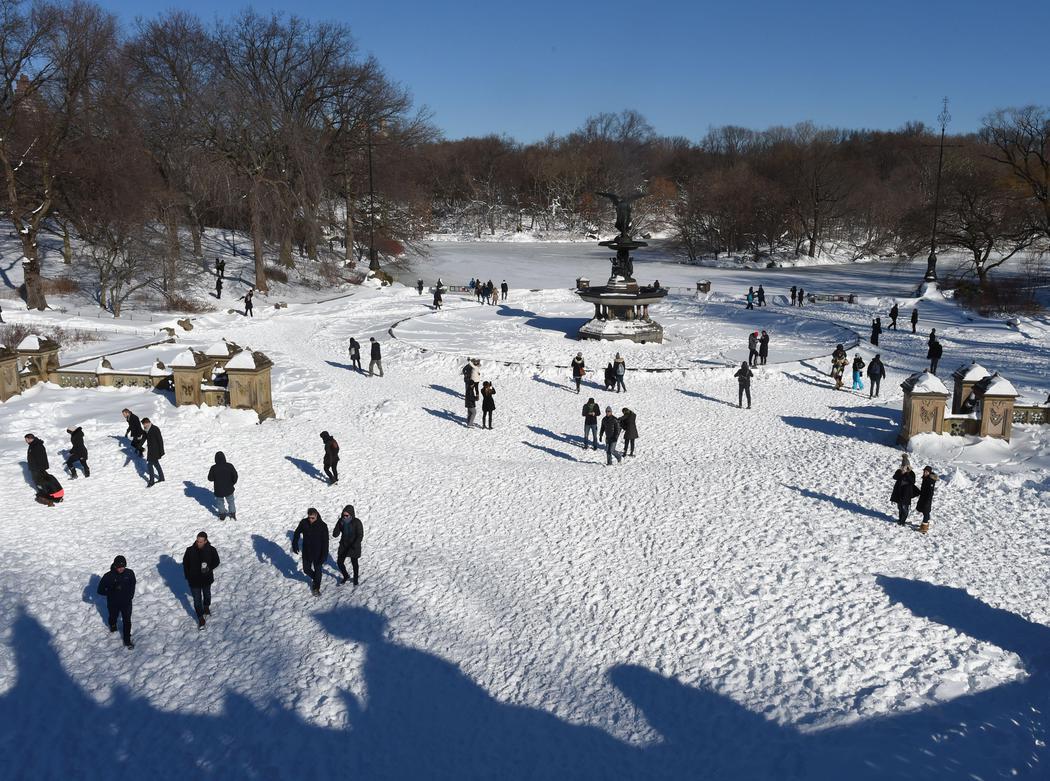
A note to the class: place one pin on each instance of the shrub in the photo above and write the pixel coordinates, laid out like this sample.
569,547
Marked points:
13,333
60,286
178,303
277,274
1008,295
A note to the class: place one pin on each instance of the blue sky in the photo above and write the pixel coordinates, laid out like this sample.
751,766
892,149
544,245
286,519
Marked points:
528,69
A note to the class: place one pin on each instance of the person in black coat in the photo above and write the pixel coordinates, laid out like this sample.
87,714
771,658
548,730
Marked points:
752,349
223,477
610,432
801,297
743,380
220,268
77,452
376,359
154,452
470,400
610,377
876,329
894,314
218,287
934,354
199,563
876,371
249,308
355,354
314,534
579,368
591,411
118,587
488,403
36,457
331,457
351,529
134,432
763,348
503,289
794,295
761,295
629,428
48,489
925,503
903,490
914,318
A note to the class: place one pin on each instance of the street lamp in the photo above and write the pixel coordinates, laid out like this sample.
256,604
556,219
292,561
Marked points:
931,262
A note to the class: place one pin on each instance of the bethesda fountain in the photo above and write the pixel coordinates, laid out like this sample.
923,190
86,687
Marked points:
621,306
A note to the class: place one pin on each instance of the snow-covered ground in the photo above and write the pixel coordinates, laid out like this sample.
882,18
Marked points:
733,602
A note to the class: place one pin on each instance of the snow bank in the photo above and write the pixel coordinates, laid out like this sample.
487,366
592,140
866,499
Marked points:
925,382
31,342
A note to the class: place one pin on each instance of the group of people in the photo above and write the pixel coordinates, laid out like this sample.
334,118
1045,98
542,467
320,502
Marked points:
754,297
613,376
611,429
487,293
375,356
474,389
757,348
904,491
876,371
798,296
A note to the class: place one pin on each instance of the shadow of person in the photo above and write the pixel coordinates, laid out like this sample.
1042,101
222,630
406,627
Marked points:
703,397
27,475
446,414
131,456
269,551
306,468
449,391
843,504
203,496
550,451
92,597
174,578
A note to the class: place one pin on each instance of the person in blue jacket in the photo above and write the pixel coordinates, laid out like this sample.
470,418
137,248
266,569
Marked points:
118,587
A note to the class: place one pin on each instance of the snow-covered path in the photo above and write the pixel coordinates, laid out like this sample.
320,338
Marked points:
734,602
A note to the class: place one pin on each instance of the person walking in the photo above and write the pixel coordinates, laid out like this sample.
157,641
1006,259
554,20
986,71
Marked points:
743,380
934,353
619,371
876,371
610,432
925,503
750,298
223,477
794,295
894,313
419,286
903,490
355,354
629,427
591,411
249,308
752,348
876,330
488,404
503,289
220,268
801,296
77,453
134,433
761,296
914,318
36,457
331,458
470,400
839,359
578,370
154,452
352,532
118,587
858,368
609,377
763,348
199,563
376,358
437,296
218,287
314,535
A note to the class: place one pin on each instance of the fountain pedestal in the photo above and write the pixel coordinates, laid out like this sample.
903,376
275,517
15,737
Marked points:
621,306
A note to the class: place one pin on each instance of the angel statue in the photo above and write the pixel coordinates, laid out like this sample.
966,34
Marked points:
623,211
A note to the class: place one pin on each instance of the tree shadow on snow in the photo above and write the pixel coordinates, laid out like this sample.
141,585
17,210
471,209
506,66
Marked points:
92,597
306,468
445,414
174,578
268,551
844,504
201,495
425,718
550,451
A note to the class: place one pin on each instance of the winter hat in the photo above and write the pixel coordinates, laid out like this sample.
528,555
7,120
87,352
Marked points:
313,511
120,561
325,435
608,409
29,436
905,463
349,509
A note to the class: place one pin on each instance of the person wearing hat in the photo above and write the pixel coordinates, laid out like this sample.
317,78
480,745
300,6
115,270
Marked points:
578,370
36,457
118,587
199,563
903,490
763,348
619,371
752,349
351,529
925,503
876,374
743,380
314,534
629,427
610,432
77,452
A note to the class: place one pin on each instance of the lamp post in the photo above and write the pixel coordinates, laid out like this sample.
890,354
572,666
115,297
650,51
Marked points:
931,262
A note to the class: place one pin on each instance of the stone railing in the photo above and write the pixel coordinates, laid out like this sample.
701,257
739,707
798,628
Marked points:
1036,414
829,298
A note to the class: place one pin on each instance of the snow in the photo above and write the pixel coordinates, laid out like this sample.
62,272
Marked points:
999,386
925,382
971,372
245,359
31,342
220,349
185,359
734,602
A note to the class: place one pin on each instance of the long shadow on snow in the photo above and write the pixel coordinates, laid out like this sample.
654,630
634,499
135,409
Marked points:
205,497
306,468
449,391
174,578
703,397
424,718
550,451
92,597
445,414
567,439
348,366
865,429
269,551
27,474
131,456
848,506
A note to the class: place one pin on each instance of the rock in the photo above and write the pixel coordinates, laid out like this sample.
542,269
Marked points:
185,324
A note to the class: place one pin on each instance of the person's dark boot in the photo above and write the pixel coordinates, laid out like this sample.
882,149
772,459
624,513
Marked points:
128,643
112,627
200,623
87,471
207,610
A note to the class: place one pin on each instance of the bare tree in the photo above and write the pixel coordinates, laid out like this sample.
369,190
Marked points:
1019,138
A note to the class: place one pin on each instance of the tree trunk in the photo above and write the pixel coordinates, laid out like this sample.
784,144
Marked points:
171,259
34,283
195,232
286,248
67,249
348,253
257,239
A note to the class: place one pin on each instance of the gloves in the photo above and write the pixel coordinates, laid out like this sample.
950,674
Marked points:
295,549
